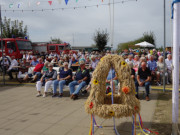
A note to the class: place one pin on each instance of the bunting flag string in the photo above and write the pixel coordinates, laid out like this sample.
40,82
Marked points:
64,8
50,3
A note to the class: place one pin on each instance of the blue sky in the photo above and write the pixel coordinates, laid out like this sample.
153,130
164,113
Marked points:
131,20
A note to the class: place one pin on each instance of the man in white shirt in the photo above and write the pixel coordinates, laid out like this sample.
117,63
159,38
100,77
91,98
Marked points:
168,62
130,58
12,67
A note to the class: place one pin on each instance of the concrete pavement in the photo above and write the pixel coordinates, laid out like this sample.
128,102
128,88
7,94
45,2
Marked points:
21,113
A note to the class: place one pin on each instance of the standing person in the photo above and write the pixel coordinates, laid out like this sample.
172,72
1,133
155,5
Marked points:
12,67
168,62
47,78
143,79
81,78
64,78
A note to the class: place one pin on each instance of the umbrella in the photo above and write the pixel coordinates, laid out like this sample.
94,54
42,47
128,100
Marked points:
144,44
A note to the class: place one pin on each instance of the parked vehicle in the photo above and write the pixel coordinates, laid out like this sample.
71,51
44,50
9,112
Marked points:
57,48
15,47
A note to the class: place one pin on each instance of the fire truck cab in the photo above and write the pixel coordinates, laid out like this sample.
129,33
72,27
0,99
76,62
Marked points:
15,47
58,48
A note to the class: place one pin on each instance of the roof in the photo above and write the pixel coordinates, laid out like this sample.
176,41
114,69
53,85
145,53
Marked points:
13,39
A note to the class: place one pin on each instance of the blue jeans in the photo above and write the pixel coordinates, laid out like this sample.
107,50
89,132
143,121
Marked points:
36,73
61,86
73,84
146,84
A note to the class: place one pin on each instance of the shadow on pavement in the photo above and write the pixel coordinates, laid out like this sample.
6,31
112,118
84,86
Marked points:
161,128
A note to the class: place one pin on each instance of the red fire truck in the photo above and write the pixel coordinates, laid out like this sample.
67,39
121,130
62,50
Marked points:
57,48
15,47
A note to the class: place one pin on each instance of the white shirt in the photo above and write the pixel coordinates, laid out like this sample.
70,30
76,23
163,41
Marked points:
127,60
13,63
5,63
169,64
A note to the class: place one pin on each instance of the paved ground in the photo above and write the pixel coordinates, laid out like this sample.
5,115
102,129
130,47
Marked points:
21,113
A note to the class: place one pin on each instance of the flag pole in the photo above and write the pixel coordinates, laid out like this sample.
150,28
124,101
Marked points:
176,44
164,82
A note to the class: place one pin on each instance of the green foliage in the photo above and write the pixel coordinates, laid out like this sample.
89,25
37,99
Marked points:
13,28
148,37
56,41
101,38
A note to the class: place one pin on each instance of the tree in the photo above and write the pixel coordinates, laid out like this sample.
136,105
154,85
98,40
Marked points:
101,39
56,41
148,37
13,28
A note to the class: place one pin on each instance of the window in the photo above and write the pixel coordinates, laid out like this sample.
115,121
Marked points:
61,48
52,48
24,45
3,44
11,45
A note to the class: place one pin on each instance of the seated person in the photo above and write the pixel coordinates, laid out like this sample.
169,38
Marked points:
12,68
47,78
54,61
5,65
132,70
64,78
152,66
45,68
24,65
130,58
168,62
36,72
93,63
81,78
34,61
143,79
160,70
112,76
73,61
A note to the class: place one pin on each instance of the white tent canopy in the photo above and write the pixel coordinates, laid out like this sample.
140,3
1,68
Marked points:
144,44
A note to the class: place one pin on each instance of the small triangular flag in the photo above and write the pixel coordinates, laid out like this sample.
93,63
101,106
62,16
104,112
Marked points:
66,2
38,3
50,2
76,0
10,5
18,5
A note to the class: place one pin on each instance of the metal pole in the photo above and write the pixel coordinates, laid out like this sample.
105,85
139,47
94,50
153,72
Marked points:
164,82
175,92
2,47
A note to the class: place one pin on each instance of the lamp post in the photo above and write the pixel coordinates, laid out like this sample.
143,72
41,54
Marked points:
2,47
164,83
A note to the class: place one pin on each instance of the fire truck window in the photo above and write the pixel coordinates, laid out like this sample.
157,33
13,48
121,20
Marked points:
3,45
52,48
61,47
24,45
11,45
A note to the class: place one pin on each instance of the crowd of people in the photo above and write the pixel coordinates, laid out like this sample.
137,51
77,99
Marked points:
75,68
